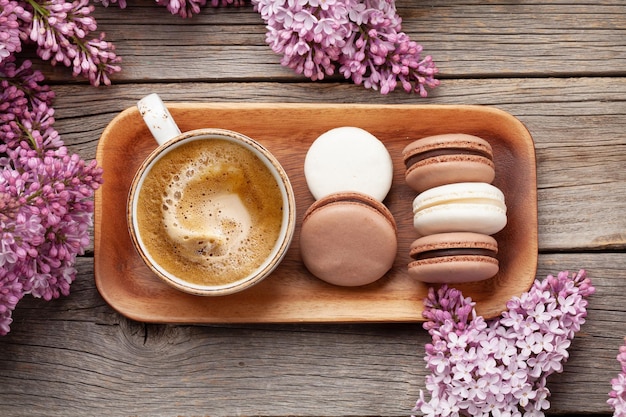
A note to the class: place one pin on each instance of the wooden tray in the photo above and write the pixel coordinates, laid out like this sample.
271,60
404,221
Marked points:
291,294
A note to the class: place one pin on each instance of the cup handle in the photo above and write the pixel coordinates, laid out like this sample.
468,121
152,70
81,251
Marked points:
158,118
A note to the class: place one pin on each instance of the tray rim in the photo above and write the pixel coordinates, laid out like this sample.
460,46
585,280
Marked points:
236,106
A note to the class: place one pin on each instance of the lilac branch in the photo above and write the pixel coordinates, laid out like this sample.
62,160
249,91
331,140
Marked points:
362,38
60,31
500,367
45,194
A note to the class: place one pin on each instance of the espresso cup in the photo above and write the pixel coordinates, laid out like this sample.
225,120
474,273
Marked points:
210,211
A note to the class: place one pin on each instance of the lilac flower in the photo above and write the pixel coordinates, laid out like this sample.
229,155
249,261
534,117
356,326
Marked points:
363,38
11,15
309,38
383,55
45,205
617,395
60,31
500,367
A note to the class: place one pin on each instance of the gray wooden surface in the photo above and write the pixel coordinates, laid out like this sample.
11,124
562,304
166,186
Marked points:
560,67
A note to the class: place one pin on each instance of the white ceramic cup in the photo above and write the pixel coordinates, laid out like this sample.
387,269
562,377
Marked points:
169,137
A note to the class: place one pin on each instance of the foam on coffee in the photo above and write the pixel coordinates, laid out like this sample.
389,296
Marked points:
210,212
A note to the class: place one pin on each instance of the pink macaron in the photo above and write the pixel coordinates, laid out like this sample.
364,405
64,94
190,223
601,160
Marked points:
454,258
448,158
348,239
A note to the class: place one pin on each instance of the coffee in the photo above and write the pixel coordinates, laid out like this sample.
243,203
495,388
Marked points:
209,212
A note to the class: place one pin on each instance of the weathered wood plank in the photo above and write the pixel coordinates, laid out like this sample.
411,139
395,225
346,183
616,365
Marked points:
466,39
75,354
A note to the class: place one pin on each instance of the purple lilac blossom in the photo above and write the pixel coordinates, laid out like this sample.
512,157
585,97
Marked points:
12,14
499,367
361,37
617,395
60,31
45,194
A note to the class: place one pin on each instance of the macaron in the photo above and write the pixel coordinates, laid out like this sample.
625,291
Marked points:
348,159
348,239
454,258
448,158
460,207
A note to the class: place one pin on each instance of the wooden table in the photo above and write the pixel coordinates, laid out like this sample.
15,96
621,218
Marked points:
559,67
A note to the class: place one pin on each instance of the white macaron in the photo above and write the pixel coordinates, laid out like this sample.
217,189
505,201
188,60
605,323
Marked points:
460,207
348,159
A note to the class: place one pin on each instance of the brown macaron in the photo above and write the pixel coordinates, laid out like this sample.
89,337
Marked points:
454,258
348,239
447,158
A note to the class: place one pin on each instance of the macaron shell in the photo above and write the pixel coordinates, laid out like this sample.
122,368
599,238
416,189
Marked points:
348,243
453,240
457,192
348,159
454,269
485,217
455,157
450,141
449,169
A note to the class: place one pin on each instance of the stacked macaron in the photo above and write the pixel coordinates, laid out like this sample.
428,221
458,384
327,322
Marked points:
348,236
457,208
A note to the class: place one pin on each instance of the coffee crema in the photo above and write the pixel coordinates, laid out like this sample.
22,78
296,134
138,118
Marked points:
209,212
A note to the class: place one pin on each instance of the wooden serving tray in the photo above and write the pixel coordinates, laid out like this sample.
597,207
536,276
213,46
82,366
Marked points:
291,293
